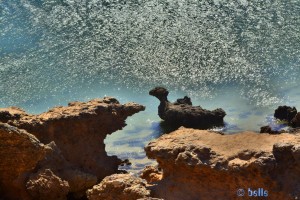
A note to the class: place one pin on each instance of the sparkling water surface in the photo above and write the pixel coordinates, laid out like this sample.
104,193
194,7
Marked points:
242,56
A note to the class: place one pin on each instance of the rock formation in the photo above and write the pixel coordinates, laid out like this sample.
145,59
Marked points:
74,156
286,113
289,115
19,154
199,164
295,122
268,129
182,113
151,174
46,185
119,186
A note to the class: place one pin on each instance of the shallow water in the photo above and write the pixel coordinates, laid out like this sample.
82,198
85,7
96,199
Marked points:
242,56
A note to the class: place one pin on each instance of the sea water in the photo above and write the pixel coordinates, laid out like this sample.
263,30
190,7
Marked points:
242,56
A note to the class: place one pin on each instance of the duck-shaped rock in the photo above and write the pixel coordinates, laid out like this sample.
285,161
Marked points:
182,113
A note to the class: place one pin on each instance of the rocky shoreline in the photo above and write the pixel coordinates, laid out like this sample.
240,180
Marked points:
64,146
199,164
60,154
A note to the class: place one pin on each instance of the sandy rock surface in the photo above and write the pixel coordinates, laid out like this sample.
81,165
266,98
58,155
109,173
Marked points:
119,186
200,164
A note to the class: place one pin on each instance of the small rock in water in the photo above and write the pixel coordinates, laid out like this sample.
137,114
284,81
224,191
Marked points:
286,113
182,113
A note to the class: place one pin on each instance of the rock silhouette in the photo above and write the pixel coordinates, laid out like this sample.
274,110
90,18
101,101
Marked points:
182,113
286,113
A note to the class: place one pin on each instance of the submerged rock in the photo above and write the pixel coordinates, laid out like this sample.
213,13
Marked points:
119,186
75,151
199,164
182,113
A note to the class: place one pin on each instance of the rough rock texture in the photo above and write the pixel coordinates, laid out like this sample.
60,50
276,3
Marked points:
78,180
182,113
151,174
46,185
286,113
19,154
199,164
119,186
268,129
79,130
75,150
295,122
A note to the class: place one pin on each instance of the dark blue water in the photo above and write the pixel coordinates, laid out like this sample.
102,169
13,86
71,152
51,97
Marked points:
240,55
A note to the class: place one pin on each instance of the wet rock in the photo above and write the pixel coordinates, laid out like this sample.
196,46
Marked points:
268,129
151,174
182,113
46,185
119,186
199,164
286,113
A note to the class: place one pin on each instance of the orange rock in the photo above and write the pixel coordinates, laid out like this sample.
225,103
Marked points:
199,164
119,186
79,130
19,154
151,174
75,150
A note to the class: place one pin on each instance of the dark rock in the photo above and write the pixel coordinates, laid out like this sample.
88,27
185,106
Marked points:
5,116
283,152
184,100
182,113
295,122
286,113
125,162
268,129
160,93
